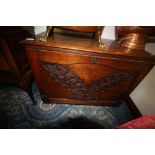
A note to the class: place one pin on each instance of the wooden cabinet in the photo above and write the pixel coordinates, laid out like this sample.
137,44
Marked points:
75,70
14,66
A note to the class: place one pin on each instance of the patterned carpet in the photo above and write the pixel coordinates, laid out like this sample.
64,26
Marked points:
21,113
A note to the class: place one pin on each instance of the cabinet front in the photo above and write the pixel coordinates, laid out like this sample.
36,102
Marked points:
81,77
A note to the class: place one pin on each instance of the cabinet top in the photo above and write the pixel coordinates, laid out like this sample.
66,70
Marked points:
84,44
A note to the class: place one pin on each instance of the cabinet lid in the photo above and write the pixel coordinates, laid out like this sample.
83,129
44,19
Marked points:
85,44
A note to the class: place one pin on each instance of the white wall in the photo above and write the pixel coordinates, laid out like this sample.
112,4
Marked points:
109,32
144,94
39,29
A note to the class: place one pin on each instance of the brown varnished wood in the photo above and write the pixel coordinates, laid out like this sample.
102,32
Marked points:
93,72
36,68
69,101
80,28
74,70
134,37
95,30
63,43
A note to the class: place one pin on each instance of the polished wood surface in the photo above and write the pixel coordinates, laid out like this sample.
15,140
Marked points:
87,29
75,70
95,30
80,28
88,46
134,37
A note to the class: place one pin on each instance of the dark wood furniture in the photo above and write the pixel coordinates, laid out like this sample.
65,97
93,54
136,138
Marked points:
95,30
14,67
74,70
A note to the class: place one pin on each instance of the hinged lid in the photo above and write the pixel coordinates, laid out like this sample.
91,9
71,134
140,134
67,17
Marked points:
85,44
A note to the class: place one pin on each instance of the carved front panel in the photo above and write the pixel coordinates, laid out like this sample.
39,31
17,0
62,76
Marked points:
80,90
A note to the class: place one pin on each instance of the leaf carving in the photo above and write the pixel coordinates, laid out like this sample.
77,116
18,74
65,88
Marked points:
80,91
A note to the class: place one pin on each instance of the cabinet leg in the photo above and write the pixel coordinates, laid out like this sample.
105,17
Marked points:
32,97
45,99
27,86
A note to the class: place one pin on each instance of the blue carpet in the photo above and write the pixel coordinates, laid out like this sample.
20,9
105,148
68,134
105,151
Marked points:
21,113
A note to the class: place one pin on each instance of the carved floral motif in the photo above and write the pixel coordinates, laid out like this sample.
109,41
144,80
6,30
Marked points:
67,78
